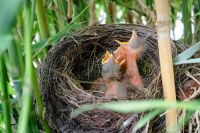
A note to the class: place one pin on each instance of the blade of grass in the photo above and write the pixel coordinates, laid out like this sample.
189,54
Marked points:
4,88
186,54
39,102
190,61
145,119
137,106
32,126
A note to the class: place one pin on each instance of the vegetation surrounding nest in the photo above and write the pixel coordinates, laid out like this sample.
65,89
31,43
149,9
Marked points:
54,93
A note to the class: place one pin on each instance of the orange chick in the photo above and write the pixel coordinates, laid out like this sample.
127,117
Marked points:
130,51
115,90
111,74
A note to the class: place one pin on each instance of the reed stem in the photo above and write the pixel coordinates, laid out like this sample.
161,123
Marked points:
27,89
165,54
4,88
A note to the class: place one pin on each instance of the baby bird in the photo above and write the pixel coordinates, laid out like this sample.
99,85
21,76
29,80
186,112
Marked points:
110,68
115,90
131,51
112,75
136,44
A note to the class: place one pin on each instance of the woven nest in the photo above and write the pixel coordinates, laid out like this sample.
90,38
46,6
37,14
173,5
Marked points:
75,62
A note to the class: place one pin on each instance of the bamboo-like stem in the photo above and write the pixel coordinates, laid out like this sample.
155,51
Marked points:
165,54
42,21
186,12
108,18
92,9
112,11
35,83
130,17
69,11
3,85
27,89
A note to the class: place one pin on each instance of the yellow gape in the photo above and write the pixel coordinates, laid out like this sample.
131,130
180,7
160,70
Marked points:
106,58
121,43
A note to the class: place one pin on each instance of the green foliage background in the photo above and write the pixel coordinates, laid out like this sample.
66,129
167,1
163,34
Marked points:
29,28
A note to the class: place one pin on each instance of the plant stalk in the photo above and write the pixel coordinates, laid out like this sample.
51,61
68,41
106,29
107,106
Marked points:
108,18
186,12
39,101
69,11
165,54
92,9
42,20
112,11
27,89
4,88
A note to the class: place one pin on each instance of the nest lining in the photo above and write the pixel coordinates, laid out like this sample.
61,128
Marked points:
75,62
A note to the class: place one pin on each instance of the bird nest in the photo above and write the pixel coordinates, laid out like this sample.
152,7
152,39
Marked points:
75,62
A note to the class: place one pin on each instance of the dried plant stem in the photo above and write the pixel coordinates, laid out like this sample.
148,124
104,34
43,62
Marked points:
92,9
165,54
108,18
112,10
130,17
70,11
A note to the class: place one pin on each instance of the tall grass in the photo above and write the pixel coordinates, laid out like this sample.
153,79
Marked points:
5,96
28,85
186,12
42,19
20,46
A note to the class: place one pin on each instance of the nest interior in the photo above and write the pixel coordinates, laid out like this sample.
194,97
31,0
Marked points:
75,62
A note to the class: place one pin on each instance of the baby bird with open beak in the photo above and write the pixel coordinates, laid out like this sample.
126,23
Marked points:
112,75
130,51
110,68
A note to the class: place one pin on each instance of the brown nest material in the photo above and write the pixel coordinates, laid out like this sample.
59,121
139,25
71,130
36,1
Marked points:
72,65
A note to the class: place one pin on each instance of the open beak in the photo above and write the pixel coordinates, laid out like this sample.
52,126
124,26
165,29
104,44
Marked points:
106,57
121,43
134,35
